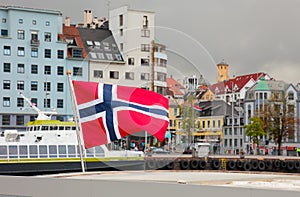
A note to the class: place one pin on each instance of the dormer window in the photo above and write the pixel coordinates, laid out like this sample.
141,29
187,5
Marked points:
291,95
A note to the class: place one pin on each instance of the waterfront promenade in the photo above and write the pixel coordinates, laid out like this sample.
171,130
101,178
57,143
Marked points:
153,183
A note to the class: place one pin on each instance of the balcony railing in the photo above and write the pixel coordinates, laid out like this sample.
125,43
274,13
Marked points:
35,42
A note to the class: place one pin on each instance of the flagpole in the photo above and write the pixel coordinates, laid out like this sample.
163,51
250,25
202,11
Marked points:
76,119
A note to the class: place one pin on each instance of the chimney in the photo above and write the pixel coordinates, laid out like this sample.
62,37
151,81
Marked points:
87,17
67,21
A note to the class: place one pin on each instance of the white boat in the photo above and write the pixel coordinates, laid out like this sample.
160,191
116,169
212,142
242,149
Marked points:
51,146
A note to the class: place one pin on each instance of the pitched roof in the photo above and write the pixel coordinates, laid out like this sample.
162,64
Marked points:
100,45
215,108
72,37
237,83
174,87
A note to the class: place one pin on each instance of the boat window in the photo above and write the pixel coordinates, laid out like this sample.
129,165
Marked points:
36,128
90,152
23,151
74,128
53,128
33,151
45,128
61,128
13,151
99,152
3,151
68,128
62,151
53,151
43,151
78,151
71,151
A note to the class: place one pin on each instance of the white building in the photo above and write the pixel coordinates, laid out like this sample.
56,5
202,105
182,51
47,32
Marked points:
134,33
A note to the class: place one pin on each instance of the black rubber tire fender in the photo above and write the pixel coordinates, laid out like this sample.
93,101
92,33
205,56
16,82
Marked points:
254,164
194,164
290,165
261,165
276,164
216,164
151,164
230,165
283,164
297,165
268,164
184,164
202,164
239,164
170,165
247,166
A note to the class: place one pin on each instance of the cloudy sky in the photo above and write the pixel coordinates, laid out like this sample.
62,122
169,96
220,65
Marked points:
251,35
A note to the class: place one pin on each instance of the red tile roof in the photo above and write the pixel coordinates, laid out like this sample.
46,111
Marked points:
238,81
71,32
174,86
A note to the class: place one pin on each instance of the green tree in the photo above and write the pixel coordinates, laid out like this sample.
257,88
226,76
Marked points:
255,130
279,120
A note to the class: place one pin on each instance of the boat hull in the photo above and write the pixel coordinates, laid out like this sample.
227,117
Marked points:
51,167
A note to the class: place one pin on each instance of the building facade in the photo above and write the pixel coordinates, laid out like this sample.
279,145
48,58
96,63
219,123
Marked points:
33,61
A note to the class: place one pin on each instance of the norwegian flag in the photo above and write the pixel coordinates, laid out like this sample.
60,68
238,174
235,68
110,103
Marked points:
197,108
110,112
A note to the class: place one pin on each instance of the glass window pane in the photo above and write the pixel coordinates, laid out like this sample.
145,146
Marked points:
13,151
71,151
3,151
53,151
23,152
33,151
43,151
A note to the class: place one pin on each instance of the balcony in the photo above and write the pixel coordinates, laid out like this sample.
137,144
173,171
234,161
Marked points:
35,42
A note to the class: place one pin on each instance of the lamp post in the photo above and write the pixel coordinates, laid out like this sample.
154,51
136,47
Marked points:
232,118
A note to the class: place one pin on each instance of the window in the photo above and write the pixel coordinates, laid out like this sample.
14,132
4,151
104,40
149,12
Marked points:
34,37
6,102
60,87
21,34
98,73
47,37
34,52
20,85
47,86
6,84
34,101
145,76
60,54
60,70
145,47
161,76
106,46
34,86
291,95
21,51
121,32
21,68
113,74
5,119
145,22
121,47
3,20
118,57
47,70
129,75
109,56
20,102
47,53
77,53
34,69
100,55
145,33
34,22
47,23
121,20
77,71
4,32
130,61
6,50
145,62
21,21
6,67
20,120
60,103
47,103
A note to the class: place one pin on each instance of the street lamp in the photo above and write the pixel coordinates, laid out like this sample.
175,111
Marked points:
232,118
